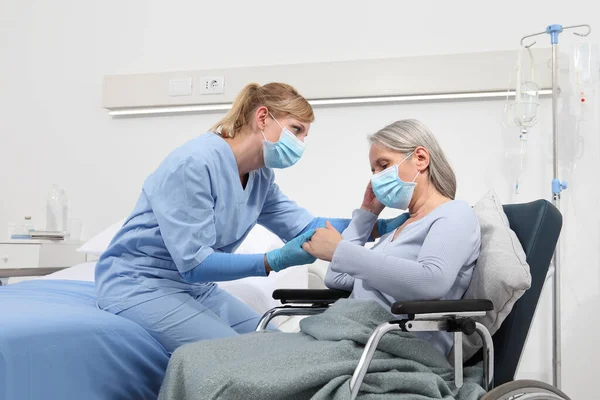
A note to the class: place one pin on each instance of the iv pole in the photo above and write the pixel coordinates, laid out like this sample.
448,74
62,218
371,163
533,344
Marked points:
557,188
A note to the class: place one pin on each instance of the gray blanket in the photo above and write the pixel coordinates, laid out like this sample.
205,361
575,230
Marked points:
316,363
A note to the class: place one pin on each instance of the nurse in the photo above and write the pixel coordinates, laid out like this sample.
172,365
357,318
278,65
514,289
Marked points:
197,207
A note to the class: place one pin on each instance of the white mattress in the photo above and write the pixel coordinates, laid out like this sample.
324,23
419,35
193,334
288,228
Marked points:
79,272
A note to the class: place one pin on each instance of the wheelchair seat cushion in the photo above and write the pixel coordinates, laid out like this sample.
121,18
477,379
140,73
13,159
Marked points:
501,273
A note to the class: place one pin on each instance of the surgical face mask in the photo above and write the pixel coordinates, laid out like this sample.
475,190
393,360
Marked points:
392,191
283,153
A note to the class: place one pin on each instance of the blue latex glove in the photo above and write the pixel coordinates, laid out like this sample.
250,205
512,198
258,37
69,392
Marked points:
291,253
340,224
389,225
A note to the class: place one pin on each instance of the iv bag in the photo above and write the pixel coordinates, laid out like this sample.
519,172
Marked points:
584,64
519,115
523,111
526,108
584,71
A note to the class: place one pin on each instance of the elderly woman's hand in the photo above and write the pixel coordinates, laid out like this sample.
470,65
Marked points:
370,202
323,243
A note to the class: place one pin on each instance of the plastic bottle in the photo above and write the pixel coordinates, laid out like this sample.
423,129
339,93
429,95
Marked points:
64,211
53,209
28,225
23,231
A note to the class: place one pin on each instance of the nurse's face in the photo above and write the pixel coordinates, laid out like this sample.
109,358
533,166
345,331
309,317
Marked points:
273,129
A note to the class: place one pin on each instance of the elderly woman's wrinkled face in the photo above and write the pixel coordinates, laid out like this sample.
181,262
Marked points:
382,158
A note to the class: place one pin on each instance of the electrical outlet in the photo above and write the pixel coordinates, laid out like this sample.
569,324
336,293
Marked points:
212,85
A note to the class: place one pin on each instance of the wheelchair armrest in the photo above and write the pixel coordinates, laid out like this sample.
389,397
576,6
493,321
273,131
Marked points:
312,296
441,306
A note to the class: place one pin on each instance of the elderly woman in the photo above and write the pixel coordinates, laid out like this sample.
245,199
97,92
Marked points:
431,255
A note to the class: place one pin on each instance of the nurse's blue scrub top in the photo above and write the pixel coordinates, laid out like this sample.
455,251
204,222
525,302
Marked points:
191,206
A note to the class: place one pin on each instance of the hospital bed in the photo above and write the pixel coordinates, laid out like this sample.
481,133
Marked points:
56,344
537,226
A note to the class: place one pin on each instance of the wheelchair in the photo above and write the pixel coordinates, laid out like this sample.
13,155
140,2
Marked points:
537,225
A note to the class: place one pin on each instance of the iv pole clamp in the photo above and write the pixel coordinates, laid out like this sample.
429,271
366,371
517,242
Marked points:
557,187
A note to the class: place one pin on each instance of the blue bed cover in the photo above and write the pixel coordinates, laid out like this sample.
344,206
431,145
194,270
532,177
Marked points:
56,344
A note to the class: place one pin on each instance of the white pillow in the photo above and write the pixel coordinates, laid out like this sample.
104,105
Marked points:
99,243
259,240
501,273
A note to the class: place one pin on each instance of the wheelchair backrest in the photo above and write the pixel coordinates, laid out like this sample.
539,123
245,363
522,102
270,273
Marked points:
537,225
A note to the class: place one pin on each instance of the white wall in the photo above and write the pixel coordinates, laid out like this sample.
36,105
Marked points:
53,56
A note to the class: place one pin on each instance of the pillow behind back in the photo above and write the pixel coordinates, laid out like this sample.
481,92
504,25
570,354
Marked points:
501,273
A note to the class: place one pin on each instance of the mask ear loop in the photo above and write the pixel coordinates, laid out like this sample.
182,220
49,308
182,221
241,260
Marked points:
418,172
283,130
406,158
263,132
275,120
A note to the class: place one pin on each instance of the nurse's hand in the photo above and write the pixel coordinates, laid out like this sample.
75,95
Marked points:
290,254
324,242
385,226
370,202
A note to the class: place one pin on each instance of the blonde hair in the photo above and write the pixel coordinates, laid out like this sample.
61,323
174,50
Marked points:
405,136
281,99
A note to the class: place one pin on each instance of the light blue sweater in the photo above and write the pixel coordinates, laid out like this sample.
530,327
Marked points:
432,258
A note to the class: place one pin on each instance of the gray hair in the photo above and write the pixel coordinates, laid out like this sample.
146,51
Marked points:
405,136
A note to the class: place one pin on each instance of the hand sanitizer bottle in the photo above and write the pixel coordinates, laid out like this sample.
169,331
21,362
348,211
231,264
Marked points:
53,209
64,211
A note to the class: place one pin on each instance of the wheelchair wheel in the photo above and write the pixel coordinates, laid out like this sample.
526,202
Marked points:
525,390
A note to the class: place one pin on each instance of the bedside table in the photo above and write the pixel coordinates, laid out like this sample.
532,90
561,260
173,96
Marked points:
21,258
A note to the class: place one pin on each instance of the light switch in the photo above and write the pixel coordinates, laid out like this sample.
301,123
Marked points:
180,87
